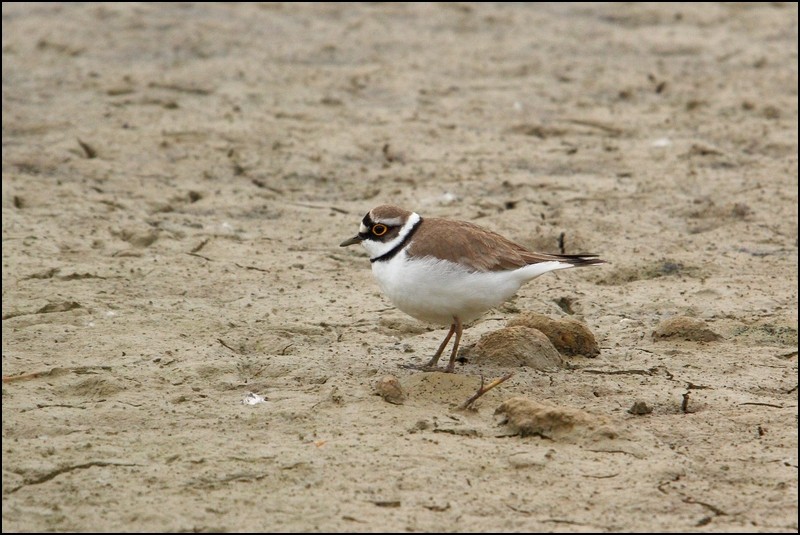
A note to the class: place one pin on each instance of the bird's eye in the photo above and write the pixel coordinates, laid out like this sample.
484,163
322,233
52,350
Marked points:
379,230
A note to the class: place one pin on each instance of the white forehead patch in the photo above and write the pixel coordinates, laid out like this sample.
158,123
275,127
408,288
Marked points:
393,222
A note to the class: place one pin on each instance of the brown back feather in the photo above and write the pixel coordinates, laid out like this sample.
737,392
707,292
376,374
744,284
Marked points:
480,249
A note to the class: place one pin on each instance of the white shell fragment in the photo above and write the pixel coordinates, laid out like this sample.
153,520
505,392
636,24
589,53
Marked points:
253,399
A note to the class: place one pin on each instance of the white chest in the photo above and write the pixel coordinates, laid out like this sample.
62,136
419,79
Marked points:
436,290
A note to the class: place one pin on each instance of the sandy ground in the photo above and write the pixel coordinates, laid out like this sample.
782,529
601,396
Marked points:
177,179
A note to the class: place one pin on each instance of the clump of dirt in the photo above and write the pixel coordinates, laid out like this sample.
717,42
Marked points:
569,336
528,417
685,328
517,346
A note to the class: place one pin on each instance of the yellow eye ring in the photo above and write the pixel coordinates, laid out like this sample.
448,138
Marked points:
379,229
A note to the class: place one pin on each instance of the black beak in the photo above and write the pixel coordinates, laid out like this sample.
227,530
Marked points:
351,241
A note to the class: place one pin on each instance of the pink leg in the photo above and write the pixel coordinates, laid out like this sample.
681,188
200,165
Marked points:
451,366
432,363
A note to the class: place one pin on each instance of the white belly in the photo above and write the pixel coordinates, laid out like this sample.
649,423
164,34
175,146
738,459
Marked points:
435,290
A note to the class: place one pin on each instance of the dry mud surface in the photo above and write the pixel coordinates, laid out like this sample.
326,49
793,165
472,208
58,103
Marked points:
177,179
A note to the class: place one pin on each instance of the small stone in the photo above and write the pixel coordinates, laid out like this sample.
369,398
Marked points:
389,389
684,328
421,425
640,407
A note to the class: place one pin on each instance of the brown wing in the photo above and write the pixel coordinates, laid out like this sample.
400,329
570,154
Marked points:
478,248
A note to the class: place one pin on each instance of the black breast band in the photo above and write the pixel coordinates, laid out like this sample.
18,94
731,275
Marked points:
388,255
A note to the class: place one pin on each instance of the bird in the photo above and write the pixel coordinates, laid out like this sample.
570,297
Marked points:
448,272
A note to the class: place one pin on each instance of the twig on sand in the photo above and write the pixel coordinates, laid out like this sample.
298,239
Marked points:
29,376
54,372
200,256
88,150
200,246
483,389
221,341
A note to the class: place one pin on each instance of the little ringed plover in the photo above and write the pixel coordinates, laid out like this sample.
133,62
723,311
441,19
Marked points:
448,272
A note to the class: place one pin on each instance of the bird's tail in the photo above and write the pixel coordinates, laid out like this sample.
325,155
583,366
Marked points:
571,260
579,260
